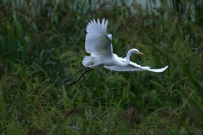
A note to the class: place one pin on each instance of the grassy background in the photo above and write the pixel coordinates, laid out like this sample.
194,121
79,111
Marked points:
42,42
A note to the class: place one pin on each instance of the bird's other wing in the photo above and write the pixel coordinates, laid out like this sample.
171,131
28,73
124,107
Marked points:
124,68
134,67
158,70
97,39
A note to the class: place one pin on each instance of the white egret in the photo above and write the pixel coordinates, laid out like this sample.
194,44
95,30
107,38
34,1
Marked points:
99,44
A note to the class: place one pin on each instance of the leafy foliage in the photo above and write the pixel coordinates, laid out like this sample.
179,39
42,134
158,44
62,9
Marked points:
42,42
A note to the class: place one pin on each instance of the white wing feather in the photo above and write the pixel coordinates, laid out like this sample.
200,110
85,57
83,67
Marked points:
97,40
134,67
124,68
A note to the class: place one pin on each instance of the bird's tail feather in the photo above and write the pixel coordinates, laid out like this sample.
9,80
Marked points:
87,60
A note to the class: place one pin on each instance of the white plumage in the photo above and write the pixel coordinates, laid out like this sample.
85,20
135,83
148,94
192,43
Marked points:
99,44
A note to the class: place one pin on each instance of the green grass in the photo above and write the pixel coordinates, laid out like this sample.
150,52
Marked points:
42,42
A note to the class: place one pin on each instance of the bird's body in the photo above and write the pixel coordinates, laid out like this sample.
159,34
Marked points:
103,60
99,44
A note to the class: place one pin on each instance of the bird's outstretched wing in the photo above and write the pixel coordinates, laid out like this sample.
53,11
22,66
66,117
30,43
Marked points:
124,68
134,67
97,39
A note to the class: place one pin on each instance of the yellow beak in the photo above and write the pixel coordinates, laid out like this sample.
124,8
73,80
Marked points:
141,53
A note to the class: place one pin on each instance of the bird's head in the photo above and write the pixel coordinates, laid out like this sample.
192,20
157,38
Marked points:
136,51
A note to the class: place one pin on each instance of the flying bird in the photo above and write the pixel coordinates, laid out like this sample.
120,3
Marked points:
99,45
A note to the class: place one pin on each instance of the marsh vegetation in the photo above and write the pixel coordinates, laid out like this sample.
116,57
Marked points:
42,42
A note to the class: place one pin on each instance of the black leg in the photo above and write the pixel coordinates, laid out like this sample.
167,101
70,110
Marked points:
80,77
67,80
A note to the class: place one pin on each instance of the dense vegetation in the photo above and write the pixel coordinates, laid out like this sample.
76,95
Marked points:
42,42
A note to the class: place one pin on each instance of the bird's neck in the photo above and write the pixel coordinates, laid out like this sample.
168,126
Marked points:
127,61
128,57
